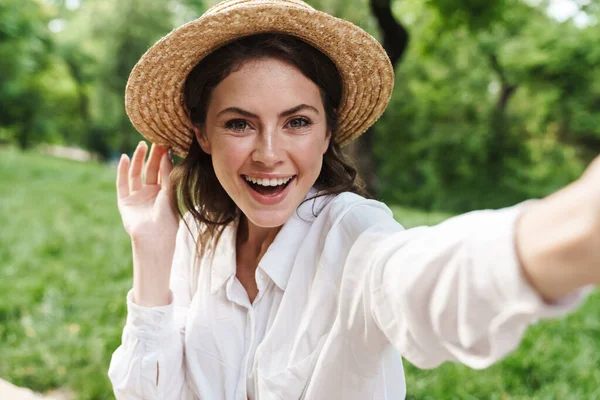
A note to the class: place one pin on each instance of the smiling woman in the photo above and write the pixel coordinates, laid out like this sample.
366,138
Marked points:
268,103
261,270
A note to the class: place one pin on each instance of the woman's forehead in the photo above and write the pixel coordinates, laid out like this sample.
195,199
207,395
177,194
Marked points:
266,82
268,71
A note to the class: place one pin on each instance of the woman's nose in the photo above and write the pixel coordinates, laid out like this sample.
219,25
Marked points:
268,149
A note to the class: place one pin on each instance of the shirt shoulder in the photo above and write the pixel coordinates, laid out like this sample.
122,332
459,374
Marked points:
346,221
352,211
348,215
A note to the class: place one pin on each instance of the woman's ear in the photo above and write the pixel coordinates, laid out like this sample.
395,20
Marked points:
202,139
328,135
326,141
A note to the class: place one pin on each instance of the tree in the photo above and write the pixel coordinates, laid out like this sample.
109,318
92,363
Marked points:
25,48
395,41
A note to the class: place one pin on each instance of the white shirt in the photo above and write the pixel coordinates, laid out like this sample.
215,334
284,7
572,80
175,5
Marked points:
341,297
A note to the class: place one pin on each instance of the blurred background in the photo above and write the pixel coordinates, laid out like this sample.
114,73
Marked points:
495,101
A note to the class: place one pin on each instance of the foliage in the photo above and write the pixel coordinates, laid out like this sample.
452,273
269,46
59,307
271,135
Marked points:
474,122
101,65
28,97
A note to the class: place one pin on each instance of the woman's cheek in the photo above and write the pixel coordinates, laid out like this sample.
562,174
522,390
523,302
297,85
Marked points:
232,154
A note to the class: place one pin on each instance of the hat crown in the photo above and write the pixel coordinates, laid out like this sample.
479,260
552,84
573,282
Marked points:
229,4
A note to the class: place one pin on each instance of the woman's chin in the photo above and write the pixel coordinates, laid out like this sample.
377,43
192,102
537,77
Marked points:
268,218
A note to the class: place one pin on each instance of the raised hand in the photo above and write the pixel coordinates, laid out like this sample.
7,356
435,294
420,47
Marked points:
146,207
150,218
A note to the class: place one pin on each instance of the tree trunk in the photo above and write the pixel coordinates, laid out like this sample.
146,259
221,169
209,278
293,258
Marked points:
395,40
498,128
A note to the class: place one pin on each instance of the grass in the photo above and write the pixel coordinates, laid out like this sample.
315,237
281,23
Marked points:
66,267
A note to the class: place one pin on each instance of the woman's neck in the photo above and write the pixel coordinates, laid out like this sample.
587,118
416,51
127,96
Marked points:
253,241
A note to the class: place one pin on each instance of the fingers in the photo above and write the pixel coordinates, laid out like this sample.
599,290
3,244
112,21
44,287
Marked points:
137,162
166,167
165,171
122,180
129,173
153,163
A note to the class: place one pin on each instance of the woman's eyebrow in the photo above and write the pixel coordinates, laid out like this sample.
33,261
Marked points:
285,113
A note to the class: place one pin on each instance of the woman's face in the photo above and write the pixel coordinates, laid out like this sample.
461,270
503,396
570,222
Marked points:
266,132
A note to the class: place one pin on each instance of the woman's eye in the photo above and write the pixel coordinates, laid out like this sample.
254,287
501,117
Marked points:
241,125
299,122
237,124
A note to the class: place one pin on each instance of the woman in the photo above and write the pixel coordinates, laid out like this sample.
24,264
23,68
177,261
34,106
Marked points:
260,269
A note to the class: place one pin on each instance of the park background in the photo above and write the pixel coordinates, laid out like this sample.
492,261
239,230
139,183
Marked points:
495,101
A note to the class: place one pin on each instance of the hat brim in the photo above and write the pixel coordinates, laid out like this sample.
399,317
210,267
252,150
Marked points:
154,99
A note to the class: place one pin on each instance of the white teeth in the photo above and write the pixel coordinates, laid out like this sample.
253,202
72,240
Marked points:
267,181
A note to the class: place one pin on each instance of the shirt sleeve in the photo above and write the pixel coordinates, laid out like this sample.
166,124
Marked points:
149,363
452,292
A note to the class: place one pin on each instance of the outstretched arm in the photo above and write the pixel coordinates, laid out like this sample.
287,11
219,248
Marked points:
467,289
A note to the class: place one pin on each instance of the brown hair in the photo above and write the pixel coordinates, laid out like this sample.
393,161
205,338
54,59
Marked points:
194,178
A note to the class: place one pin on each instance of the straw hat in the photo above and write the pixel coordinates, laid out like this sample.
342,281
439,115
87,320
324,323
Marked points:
154,98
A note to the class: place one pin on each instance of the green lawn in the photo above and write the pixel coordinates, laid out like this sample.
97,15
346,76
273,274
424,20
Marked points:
66,267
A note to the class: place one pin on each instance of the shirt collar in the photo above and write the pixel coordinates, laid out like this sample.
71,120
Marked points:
278,260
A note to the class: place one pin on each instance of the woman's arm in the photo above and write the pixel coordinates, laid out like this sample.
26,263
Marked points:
455,291
149,364
467,289
452,292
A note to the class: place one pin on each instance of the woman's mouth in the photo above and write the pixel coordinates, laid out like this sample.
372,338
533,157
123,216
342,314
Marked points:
268,190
